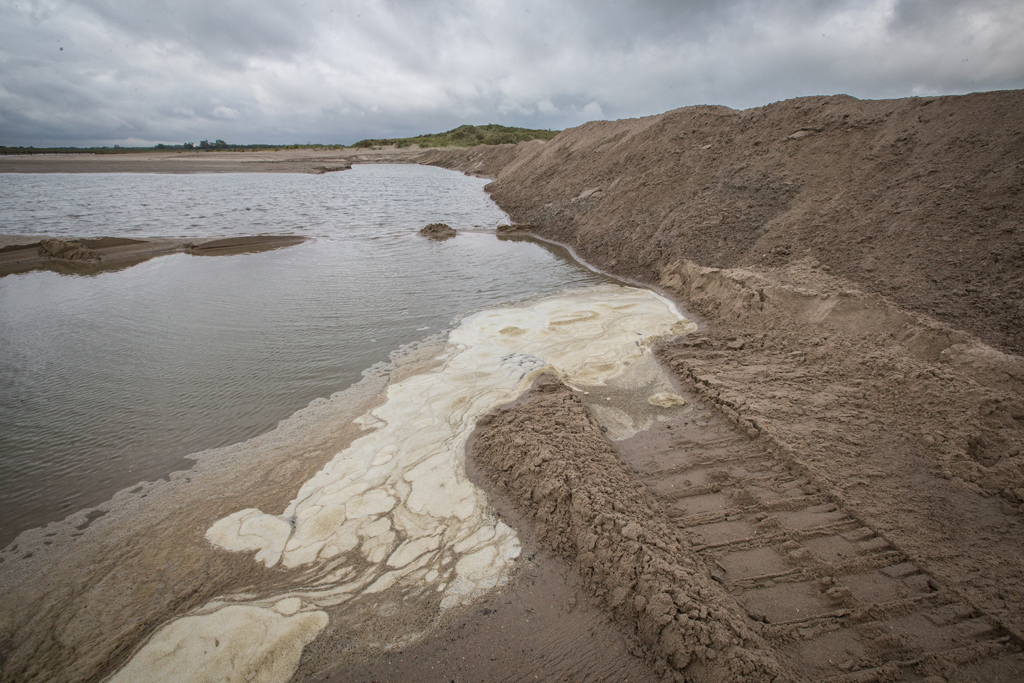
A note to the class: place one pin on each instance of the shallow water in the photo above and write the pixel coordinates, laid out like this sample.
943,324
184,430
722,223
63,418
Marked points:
112,379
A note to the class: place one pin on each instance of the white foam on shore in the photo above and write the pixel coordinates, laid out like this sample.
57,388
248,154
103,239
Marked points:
395,508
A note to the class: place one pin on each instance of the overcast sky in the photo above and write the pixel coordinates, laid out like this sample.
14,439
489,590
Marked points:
138,72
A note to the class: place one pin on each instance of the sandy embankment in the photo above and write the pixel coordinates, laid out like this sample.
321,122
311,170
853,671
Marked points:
22,253
858,270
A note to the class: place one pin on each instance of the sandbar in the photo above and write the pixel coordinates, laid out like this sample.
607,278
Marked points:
87,256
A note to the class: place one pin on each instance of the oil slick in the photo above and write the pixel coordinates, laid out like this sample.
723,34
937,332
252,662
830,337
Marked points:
395,508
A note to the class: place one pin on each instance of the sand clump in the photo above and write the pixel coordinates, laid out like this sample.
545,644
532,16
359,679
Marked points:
514,229
551,457
438,231
68,251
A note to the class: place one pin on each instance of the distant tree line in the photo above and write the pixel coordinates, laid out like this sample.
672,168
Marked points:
463,136
466,136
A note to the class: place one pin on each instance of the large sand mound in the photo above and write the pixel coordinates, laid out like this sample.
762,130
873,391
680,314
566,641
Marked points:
858,485
920,200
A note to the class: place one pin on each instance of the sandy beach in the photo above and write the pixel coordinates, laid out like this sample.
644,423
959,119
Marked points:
838,494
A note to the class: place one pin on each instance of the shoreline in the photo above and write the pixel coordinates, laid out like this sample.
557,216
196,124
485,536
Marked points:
115,519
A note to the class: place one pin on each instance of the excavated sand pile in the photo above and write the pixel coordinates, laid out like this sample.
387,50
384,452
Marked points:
857,268
919,200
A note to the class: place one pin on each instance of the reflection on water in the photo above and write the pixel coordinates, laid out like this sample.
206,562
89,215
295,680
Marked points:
389,198
111,379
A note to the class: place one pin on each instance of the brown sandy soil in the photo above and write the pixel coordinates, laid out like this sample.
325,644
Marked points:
87,256
438,231
540,628
855,489
283,161
551,458
730,559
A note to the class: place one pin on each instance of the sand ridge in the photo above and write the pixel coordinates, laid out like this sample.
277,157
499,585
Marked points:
918,199
311,161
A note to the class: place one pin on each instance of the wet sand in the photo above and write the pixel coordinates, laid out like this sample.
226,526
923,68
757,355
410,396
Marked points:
87,256
146,576
543,626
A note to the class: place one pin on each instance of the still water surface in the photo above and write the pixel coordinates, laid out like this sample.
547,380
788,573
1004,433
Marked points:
110,379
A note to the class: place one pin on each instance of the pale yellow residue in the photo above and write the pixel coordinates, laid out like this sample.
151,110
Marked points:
235,643
577,317
667,399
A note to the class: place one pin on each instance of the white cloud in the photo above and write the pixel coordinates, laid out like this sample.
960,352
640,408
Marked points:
547,107
226,113
593,111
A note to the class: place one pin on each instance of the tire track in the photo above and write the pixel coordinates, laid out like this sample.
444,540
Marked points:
839,601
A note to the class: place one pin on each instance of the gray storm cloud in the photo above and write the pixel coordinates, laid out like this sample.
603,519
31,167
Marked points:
114,71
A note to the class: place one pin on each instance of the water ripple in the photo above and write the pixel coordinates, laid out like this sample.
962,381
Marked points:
111,379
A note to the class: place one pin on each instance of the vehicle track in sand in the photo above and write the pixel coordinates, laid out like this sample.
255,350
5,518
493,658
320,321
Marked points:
837,600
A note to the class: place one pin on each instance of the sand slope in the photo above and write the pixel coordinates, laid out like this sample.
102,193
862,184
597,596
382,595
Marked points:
920,200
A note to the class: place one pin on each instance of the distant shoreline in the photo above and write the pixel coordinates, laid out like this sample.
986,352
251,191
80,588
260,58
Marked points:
271,161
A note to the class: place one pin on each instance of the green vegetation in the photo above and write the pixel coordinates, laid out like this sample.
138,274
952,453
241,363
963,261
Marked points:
463,136
466,136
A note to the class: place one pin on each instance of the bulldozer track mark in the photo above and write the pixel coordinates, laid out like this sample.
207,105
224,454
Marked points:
837,600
